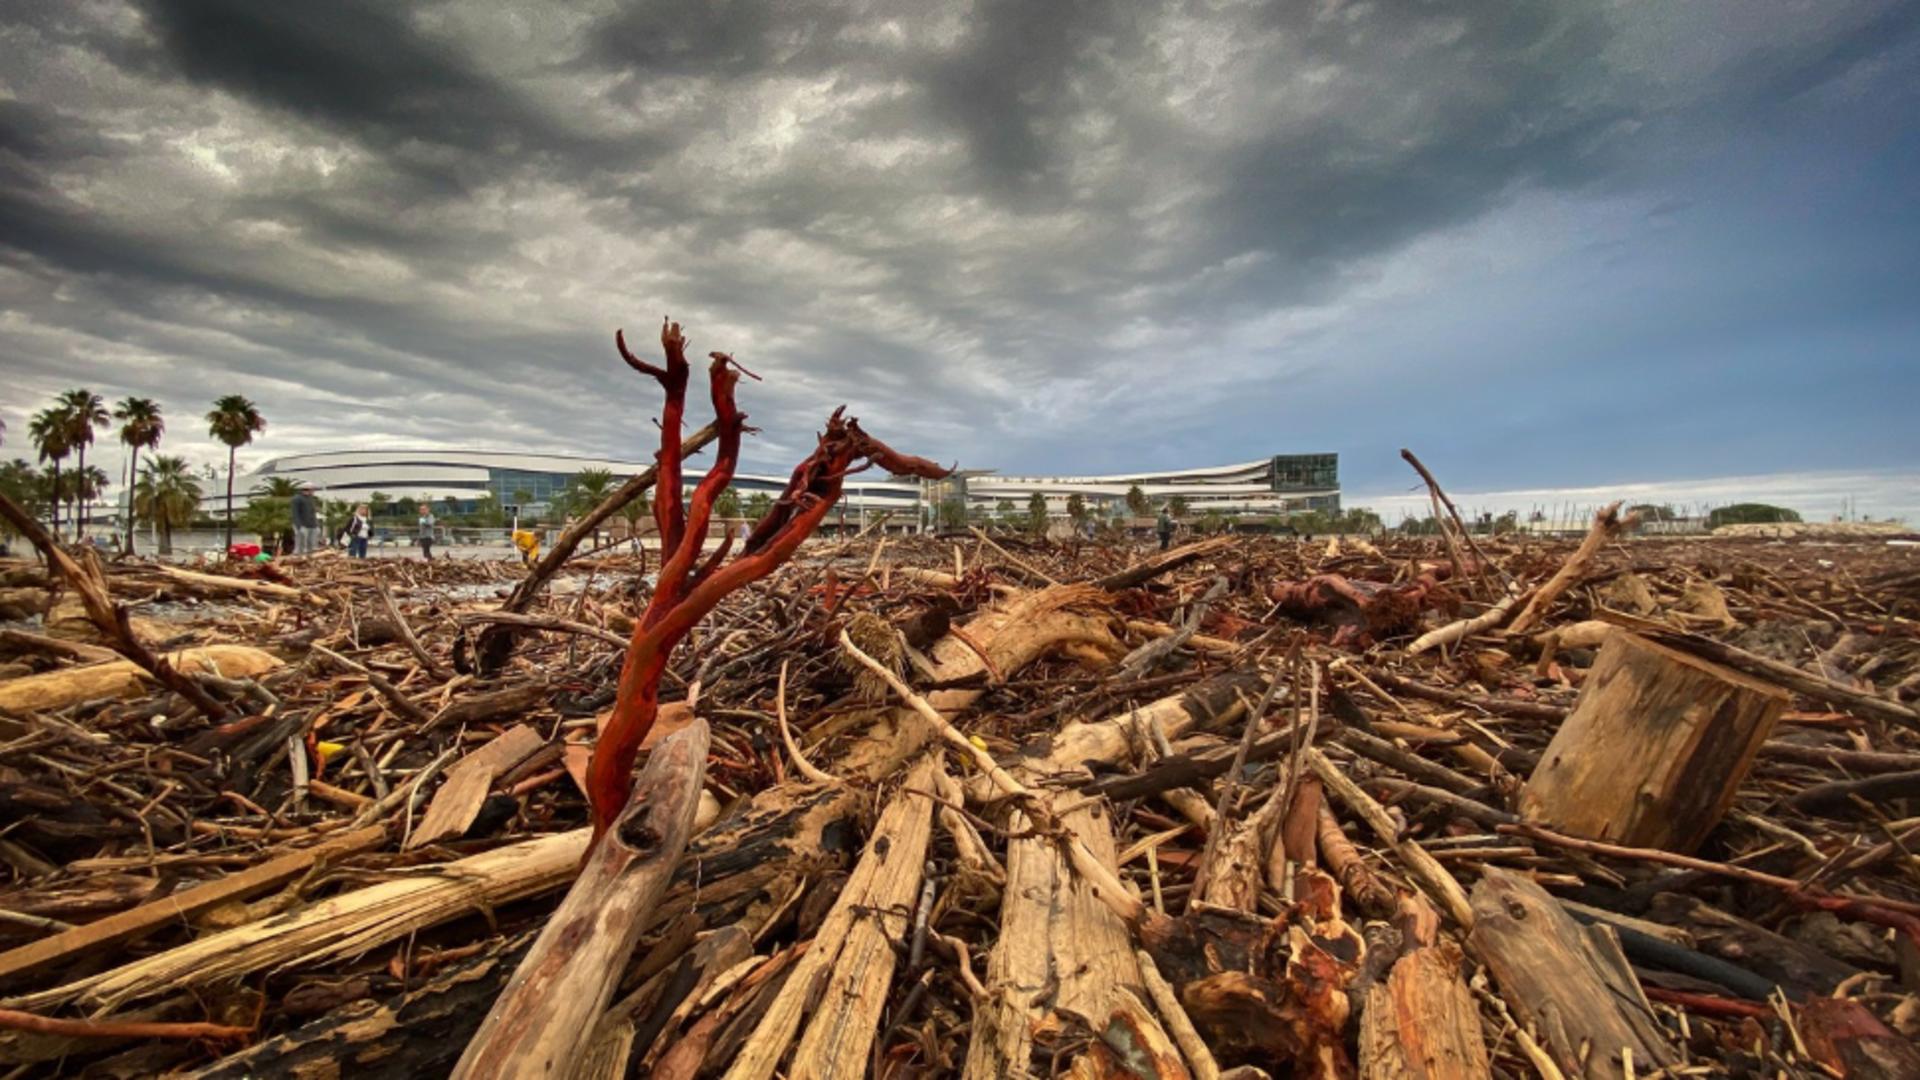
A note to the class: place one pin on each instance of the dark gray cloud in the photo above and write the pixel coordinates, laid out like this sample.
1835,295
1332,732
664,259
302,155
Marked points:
1032,235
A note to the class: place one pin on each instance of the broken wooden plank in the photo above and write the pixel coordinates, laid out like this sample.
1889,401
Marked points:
459,799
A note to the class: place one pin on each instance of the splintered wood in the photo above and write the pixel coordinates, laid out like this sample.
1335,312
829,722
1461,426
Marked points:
981,805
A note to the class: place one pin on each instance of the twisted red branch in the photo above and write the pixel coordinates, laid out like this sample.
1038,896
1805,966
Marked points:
688,588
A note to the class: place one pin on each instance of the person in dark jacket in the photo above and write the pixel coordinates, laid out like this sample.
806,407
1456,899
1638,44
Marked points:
1165,528
306,521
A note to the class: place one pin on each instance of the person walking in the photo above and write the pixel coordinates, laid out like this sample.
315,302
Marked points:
359,531
1165,528
426,532
306,521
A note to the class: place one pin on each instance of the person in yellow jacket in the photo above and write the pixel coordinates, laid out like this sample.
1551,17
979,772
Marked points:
528,541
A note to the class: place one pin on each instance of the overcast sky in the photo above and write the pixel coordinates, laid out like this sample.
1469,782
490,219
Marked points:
1547,245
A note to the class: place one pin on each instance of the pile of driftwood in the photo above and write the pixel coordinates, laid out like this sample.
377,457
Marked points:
975,805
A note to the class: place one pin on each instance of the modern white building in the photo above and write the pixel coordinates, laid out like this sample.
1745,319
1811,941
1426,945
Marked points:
1281,484
533,482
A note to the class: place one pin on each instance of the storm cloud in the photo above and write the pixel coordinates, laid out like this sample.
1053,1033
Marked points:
1546,243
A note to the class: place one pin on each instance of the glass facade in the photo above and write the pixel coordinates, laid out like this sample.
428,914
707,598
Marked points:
510,485
1306,472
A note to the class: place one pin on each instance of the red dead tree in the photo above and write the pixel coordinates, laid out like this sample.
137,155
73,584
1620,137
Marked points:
539,1024
688,587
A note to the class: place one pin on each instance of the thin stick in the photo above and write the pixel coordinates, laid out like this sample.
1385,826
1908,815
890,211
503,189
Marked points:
807,768
1010,557
117,1029
406,634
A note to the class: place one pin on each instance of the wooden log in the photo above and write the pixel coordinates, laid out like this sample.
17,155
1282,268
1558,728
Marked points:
1060,948
135,923
848,968
1654,750
1421,1023
490,705
1079,747
1162,563
23,604
1234,865
633,1024
991,645
541,1022
418,1033
338,927
1802,969
221,585
1455,631
55,690
1571,983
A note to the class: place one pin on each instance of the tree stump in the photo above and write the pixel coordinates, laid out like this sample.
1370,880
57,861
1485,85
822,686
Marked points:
1654,750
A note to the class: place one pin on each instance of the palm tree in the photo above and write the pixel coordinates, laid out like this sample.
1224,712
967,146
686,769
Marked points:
89,483
19,482
234,421
1137,501
589,488
140,425
277,487
1037,512
1077,509
85,411
49,431
167,495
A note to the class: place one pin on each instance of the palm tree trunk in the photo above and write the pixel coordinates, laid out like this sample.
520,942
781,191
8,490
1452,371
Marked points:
53,498
166,537
230,453
133,462
80,496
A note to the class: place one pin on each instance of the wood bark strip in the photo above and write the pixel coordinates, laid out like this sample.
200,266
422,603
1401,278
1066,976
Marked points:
542,1022
1422,867
416,1034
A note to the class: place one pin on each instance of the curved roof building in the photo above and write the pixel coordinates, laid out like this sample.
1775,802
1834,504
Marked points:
513,478
1270,485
